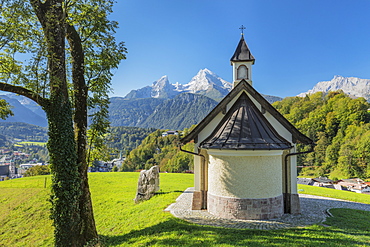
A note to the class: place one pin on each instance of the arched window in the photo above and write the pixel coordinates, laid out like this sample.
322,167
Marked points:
242,72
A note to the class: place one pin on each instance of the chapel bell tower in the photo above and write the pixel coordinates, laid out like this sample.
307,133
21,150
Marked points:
242,61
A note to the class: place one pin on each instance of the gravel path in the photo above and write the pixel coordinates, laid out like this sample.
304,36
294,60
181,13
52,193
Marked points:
314,210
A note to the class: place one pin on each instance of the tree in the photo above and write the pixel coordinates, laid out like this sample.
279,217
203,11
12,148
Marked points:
60,54
320,153
37,170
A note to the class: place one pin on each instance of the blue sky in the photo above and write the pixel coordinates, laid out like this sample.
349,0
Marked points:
296,43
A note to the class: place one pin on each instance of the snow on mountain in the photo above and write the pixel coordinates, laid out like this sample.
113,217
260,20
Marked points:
205,80
178,87
353,86
163,89
159,89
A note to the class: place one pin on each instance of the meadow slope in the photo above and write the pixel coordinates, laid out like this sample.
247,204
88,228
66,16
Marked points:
24,219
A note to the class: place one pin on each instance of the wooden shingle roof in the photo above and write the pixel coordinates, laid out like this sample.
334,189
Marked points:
243,85
245,128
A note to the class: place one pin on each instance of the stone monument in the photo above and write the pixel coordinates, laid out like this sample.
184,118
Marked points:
148,184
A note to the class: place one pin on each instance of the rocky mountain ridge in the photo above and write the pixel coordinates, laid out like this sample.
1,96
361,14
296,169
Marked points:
353,86
205,82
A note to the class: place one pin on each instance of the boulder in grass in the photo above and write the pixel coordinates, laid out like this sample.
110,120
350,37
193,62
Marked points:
148,184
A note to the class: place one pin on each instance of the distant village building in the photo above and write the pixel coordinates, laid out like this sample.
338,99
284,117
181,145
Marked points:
118,162
170,132
323,182
101,166
8,171
8,160
4,172
245,153
355,184
5,151
107,166
305,181
352,184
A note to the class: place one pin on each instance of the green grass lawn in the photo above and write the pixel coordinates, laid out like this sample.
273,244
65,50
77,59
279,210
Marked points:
120,222
344,195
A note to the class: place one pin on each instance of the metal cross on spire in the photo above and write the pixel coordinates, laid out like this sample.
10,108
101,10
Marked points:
242,29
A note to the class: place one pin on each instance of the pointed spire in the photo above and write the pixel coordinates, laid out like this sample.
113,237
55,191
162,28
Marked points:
242,52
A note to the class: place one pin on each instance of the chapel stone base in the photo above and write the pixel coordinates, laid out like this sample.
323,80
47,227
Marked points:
292,204
244,208
199,200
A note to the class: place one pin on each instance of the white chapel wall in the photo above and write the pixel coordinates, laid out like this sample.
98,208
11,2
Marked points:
245,176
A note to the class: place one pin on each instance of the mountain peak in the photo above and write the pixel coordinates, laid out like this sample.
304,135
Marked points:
205,80
205,71
353,86
163,78
338,77
162,88
163,81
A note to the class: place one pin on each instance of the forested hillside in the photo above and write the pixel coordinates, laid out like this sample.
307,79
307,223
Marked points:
23,131
3,141
127,138
118,141
340,127
161,151
181,112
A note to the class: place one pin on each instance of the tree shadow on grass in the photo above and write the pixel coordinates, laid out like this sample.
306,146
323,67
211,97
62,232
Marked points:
355,221
176,232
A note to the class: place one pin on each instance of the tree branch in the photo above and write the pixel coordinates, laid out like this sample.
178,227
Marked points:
24,92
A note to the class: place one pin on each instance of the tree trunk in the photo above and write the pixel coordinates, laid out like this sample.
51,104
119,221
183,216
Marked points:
68,208
65,176
88,229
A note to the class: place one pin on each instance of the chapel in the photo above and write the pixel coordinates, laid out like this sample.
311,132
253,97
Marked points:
245,154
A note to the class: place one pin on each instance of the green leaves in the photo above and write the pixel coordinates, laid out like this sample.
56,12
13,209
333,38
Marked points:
162,151
5,109
22,46
37,170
